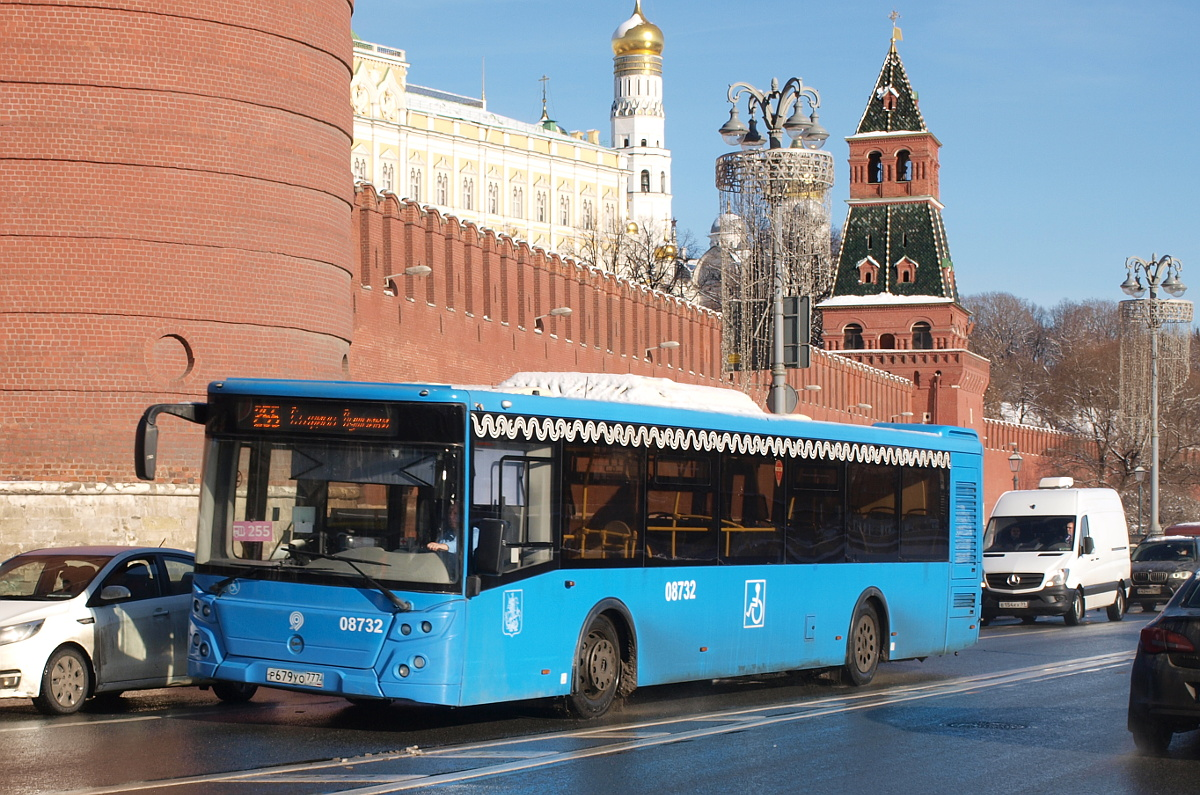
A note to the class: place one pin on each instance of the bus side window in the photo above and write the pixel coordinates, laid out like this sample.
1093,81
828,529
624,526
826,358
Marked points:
873,530
514,483
815,528
681,523
603,491
751,531
924,515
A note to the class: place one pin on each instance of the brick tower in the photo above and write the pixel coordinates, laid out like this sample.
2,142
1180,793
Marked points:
894,303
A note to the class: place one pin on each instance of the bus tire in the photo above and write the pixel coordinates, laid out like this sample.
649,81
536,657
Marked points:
234,692
598,669
863,647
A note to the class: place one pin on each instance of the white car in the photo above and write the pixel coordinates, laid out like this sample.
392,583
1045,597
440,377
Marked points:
77,622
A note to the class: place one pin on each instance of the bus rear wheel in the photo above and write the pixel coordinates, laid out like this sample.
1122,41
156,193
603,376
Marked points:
863,647
597,670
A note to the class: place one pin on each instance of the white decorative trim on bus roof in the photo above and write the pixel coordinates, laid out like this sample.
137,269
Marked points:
553,429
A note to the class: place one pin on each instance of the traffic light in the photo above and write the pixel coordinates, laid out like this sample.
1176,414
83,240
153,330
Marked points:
797,331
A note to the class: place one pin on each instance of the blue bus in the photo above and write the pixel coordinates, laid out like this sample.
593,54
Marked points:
441,545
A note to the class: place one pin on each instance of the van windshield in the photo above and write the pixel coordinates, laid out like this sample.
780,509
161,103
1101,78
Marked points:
1029,534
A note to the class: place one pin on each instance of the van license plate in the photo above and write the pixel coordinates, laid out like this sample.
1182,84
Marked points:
306,678
1014,605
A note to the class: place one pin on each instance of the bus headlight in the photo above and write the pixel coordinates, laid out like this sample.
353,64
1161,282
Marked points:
19,632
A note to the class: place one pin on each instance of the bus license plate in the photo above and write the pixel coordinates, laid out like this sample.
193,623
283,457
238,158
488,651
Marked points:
1014,605
306,678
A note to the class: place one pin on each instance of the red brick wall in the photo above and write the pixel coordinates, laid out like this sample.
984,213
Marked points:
175,210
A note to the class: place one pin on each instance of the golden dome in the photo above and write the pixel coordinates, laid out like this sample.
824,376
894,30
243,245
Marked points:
637,35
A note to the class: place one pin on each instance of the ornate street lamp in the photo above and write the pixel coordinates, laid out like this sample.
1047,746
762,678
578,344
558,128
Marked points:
1014,465
778,175
1161,273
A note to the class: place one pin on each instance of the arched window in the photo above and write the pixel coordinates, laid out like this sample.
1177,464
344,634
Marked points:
643,142
468,194
518,203
852,338
645,181
388,177
662,182
442,186
887,341
493,198
360,168
903,166
875,168
922,336
414,184
564,211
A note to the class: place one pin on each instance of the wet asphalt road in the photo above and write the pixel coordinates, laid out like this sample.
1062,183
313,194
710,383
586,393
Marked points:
1030,709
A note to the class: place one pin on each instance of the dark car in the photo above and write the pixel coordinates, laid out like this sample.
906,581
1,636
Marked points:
1160,565
1162,694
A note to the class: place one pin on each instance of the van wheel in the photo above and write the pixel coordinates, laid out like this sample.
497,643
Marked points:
65,683
862,648
597,670
1075,612
1116,611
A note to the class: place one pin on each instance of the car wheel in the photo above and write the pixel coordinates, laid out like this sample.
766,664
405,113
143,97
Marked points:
863,648
1150,736
234,692
65,683
1076,609
1116,611
598,668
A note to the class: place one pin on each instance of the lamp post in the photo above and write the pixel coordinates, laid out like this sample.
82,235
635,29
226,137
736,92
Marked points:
539,324
1014,465
782,111
1161,273
1139,474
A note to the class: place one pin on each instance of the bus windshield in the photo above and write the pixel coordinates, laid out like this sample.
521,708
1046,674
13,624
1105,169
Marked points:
331,511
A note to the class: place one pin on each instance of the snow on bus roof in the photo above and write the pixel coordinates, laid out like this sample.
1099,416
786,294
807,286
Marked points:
627,388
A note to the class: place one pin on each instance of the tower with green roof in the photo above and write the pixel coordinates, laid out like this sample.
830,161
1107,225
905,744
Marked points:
894,303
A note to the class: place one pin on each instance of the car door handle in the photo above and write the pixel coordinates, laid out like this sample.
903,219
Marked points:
161,611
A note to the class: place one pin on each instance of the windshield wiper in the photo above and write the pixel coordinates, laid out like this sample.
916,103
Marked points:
400,605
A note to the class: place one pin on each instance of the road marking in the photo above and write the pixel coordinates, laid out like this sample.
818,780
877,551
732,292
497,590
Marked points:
75,724
521,753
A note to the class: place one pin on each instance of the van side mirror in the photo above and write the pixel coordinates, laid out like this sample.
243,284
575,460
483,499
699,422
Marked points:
489,554
1086,545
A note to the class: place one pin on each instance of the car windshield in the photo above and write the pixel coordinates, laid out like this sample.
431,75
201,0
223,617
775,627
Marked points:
1030,534
49,576
1166,551
320,510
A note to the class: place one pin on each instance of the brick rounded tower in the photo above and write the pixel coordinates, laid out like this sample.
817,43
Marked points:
175,208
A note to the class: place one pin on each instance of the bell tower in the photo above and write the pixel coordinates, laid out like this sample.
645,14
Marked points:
639,121
894,304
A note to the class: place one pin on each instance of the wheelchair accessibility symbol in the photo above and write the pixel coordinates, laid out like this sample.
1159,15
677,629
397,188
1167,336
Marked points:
754,611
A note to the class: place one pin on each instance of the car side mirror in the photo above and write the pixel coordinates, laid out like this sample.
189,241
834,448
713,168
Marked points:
1087,546
115,593
489,554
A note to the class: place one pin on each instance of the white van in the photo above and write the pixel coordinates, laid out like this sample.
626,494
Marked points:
1056,551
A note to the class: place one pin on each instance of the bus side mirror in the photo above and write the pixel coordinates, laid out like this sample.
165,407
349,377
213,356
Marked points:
1087,546
489,554
145,444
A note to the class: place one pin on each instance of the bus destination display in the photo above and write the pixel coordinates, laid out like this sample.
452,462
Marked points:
308,416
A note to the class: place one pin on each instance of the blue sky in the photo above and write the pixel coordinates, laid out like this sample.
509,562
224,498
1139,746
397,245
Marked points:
1069,128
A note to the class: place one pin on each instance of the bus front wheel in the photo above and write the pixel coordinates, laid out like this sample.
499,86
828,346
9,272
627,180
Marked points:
597,670
863,647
